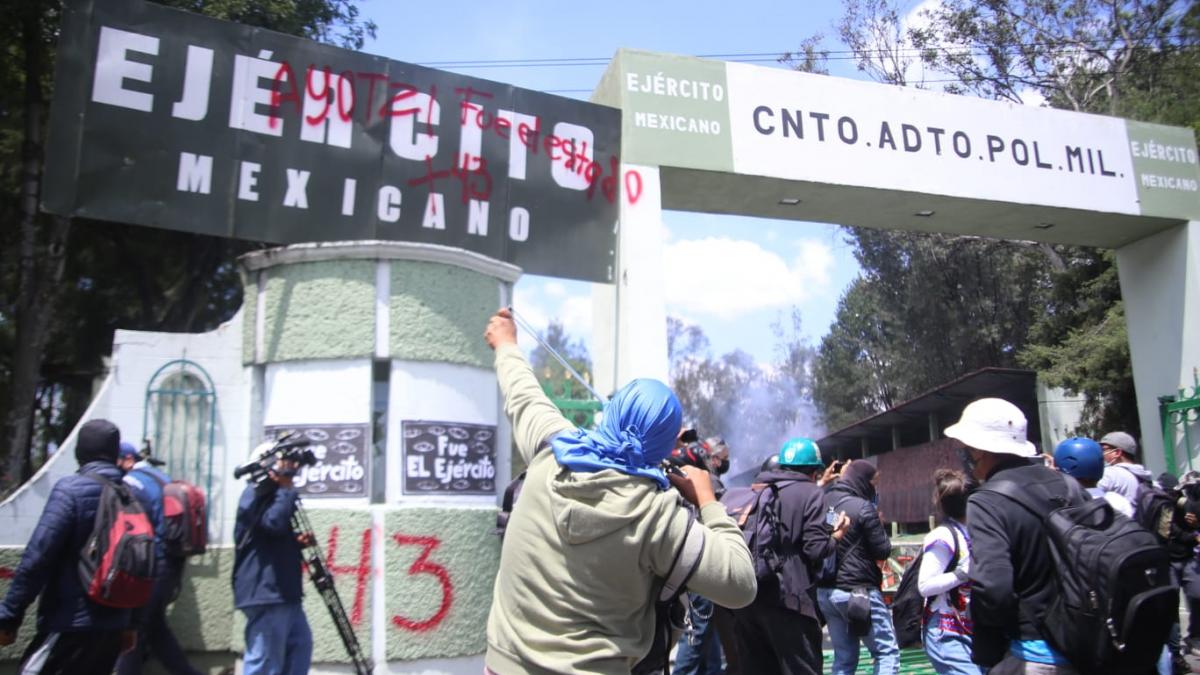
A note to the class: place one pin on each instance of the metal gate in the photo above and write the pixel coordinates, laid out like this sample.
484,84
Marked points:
1181,422
179,420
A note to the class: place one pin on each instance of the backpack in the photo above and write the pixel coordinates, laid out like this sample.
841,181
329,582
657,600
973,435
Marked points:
185,520
672,614
908,605
756,511
826,576
1116,599
116,563
1153,508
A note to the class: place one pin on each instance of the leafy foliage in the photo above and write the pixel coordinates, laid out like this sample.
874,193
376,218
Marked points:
754,407
554,378
65,286
930,307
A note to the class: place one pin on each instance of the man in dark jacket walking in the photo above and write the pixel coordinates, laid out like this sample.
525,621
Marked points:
74,635
146,482
780,632
267,577
1012,571
853,606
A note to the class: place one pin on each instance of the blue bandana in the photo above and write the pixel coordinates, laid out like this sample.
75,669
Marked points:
637,431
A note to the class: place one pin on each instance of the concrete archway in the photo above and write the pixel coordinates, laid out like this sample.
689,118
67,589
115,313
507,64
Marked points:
733,138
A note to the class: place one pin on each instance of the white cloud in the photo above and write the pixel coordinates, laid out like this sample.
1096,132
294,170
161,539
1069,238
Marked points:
541,300
576,315
727,278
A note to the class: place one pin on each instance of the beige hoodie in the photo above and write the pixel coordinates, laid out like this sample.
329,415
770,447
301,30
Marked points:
582,552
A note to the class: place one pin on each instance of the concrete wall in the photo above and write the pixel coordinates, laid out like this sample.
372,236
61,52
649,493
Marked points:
1160,285
414,572
434,566
121,398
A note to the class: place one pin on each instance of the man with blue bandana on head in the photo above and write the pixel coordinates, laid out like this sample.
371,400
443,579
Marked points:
596,526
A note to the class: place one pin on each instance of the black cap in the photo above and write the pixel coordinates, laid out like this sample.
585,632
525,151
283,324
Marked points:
98,440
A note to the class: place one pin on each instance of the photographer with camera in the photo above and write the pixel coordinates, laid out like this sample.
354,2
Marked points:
699,649
267,570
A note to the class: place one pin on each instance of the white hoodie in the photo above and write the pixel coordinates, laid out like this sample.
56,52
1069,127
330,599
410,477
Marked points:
1124,479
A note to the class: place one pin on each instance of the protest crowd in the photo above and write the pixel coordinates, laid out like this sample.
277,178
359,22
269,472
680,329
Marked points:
625,553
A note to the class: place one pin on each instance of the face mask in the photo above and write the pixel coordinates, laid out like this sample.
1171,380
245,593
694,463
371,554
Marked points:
722,467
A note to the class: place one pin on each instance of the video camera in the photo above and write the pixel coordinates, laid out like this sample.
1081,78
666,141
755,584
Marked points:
690,452
292,446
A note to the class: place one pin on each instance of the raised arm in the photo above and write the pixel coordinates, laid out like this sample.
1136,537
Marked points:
535,419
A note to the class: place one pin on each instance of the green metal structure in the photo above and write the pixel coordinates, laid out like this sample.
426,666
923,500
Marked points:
581,411
179,420
1180,416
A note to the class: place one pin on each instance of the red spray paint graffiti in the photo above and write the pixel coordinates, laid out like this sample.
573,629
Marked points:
362,570
422,566
342,98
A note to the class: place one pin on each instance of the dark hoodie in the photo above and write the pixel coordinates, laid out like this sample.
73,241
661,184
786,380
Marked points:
49,564
866,541
805,541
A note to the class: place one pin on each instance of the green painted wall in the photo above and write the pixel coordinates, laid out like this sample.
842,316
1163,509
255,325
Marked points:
202,616
320,310
438,313
249,315
9,559
439,566
344,553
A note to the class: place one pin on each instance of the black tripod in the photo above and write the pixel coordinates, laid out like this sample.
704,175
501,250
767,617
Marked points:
318,571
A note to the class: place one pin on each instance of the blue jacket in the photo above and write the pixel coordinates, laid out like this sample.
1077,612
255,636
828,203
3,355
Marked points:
50,563
142,483
266,565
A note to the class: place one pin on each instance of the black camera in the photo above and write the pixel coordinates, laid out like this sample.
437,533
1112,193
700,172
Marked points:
691,454
291,447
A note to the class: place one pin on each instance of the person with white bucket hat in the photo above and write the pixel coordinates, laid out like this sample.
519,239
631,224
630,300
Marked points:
1012,572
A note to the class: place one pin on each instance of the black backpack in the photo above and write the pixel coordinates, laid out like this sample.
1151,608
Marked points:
1116,599
755,509
826,575
1153,508
908,605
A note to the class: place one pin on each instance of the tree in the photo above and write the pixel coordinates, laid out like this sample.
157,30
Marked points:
52,269
1136,58
1078,54
852,375
554,377
754,407
927,308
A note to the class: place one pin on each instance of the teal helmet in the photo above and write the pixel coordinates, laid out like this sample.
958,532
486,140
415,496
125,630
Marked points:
800,452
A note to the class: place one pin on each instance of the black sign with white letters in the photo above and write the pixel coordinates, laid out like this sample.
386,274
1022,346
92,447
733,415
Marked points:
170,119
449,458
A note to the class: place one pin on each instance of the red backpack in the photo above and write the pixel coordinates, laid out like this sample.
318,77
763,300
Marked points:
116,564
184,519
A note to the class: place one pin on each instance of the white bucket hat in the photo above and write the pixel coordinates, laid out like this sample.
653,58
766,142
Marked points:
993,425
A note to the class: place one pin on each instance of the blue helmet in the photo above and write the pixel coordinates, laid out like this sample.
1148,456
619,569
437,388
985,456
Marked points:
1081,458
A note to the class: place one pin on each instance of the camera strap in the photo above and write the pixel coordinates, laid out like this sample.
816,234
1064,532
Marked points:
261,503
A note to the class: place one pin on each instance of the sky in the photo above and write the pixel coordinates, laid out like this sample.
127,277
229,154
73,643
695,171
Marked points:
732,276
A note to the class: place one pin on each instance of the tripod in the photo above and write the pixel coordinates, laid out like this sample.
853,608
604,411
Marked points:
318,571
